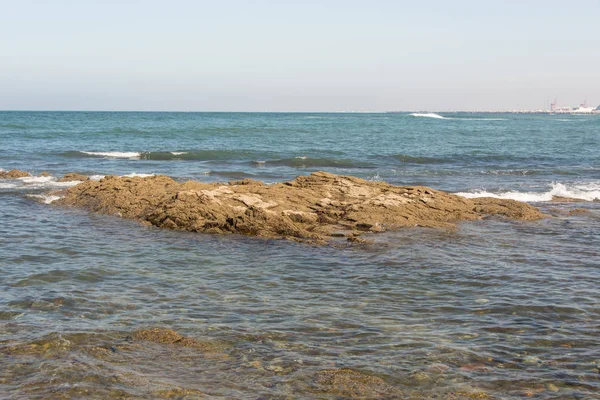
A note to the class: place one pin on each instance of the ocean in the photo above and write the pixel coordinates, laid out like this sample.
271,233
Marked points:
495,309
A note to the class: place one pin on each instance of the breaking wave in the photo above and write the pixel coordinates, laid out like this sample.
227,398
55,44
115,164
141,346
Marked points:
112,154
437,116
195,155
428,115
582,191
44,198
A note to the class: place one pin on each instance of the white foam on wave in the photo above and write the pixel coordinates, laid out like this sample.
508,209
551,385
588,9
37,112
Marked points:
44,198
114,154
45,182
260,162
6,185
136,175
428,115
302,157
178,153
37,179
584,191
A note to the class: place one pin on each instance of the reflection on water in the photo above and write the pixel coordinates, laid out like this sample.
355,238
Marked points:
492,310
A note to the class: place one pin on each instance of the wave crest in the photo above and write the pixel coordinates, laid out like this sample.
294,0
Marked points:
581,191
428,115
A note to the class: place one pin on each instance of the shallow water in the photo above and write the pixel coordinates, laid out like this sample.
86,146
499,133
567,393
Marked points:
496,308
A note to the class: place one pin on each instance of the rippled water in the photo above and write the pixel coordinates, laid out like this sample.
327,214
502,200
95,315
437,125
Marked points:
495,309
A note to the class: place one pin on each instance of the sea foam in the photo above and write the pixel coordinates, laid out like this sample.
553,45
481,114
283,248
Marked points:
428,115
136,175
46,199
45,182
113,154
584,191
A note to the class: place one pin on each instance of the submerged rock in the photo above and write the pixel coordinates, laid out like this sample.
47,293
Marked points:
311,208
169,336
14,174
351,383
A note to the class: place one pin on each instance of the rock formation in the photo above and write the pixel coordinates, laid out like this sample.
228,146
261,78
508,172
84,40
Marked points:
14,174
311,208
73,176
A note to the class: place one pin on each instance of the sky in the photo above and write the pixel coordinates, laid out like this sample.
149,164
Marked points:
327,55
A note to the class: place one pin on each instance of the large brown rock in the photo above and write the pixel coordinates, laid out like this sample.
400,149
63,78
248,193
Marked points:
309,208
73,176
14,174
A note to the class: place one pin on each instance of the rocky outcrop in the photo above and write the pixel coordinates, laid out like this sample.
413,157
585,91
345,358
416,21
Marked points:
73,176
14,174
310,208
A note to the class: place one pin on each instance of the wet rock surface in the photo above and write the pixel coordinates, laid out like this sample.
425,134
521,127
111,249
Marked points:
313,208
73,176
14,174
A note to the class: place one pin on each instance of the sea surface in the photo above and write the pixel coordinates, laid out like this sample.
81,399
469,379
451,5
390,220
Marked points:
495,309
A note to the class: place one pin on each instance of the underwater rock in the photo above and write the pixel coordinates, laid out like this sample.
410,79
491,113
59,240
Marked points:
171,337
312,208
351,383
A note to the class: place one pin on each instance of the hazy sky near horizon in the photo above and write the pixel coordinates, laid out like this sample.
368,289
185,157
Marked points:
297,55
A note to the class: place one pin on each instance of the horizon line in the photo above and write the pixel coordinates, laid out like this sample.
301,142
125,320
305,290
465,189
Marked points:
514,111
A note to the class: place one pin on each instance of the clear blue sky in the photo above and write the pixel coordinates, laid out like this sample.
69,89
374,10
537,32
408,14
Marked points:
297,56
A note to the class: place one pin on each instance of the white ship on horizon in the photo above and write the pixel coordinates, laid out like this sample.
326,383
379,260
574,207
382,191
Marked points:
582,109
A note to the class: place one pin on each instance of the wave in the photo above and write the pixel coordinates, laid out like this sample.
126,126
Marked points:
44,198
189,155
14,126
308,162
516,172
480,119
437,116
231,174
583,191
428,115
138,175
405,158
7,185
45,182
113,154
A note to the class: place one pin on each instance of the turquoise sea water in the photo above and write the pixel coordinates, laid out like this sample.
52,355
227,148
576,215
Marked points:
497,308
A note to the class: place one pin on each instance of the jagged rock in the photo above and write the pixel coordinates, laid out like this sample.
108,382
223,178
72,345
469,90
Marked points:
311,208
14,174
